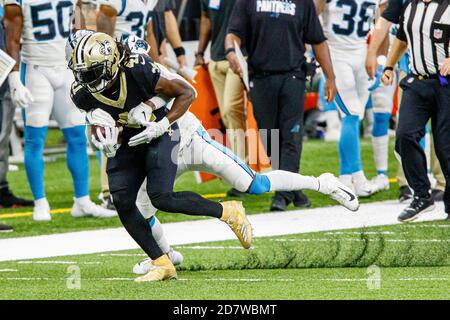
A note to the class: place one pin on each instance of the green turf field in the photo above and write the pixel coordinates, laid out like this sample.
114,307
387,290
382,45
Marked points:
412,260
318,157
409,261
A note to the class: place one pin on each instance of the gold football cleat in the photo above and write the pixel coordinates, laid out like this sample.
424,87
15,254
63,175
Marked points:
234,215
163,269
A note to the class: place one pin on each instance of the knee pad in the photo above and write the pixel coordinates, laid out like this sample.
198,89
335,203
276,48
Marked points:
260,185
35,137
381,124
162,201
123,201
75,136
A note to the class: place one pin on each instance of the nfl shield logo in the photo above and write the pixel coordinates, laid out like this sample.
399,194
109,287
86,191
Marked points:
438,34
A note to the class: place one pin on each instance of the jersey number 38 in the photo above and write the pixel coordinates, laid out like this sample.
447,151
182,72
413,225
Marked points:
365,11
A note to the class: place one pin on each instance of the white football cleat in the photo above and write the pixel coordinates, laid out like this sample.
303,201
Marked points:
84,207
330,185
364,188
381,182
41,210
146,265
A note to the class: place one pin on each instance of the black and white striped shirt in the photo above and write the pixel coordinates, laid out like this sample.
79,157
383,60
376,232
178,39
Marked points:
426,28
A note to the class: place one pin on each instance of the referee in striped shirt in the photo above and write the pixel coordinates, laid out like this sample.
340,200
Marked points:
425,31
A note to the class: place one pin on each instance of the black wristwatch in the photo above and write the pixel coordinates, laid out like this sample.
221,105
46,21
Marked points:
387,68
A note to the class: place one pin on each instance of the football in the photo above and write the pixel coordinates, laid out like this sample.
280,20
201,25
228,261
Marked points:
102,130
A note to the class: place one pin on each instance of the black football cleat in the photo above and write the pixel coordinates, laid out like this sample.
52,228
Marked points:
234,193
5,228
107,203
416,208
405,194
9,200
279,204
438,195
301,200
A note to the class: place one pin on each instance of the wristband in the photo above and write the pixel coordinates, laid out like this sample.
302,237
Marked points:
227,51
179,51
165,124
158,101
388,69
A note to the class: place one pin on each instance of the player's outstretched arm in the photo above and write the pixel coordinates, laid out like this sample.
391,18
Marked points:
181,91
151,39
20,95
230,52
174,38
78,18
322,54
205,36
377,38
106,19
13,27
397,50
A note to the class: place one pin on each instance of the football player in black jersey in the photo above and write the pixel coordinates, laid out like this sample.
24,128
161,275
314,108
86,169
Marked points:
112,82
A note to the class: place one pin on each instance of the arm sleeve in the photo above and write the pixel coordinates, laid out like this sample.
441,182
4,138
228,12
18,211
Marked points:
204,5
118,5
239,19
146,73
313,32
393,11
170,5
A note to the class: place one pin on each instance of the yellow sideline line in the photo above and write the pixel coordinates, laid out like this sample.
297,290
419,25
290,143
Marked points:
67,210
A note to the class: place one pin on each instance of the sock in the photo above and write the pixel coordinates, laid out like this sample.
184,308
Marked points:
349,147
77,159
359,176
346,179
158,234
34,159
83,200
289,181
41,202
380,141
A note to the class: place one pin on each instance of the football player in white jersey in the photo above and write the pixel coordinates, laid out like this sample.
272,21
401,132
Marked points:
346,24
36,35
132,17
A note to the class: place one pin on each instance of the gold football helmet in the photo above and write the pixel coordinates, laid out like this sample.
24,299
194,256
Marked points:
95,61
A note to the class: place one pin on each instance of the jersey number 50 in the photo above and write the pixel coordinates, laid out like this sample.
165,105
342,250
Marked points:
63,11
366,13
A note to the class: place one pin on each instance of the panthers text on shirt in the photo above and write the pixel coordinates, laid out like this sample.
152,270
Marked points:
283,7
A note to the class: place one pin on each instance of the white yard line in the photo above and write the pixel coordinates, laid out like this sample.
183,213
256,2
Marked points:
189,232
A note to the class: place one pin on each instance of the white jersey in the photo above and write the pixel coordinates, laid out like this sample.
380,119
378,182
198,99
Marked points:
133,16
346,23
46,27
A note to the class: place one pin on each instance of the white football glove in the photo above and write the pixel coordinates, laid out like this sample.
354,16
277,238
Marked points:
20,95
153,131
108,144
99,117
140,115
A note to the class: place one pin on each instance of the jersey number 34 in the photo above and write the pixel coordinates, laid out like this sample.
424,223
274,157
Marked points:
366,13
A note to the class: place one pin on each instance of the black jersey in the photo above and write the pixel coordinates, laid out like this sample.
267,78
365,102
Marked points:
134,85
